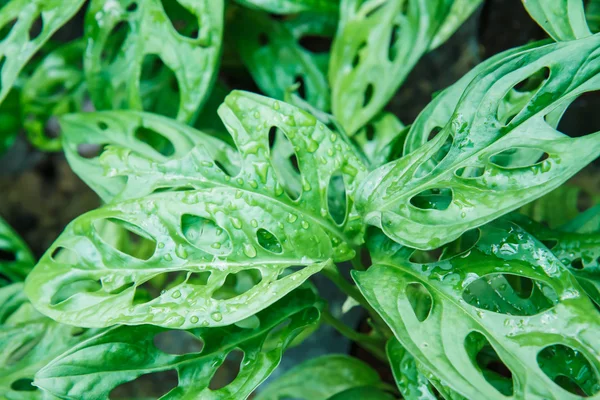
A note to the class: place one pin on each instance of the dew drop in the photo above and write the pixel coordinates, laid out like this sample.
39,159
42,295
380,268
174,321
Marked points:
238,194
333,137
312,146
181,252
257,115
254,223
249,250
237,224
168,257
176,294
240,181
194,320
304,224
160,245
216,245
217,316
278,190
253,184
292,218
276,105
204,323
306,186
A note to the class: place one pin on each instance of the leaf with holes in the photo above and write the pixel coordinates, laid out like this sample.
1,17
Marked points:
481,164
321,378
377,44
26,25
15,258
496,307
382,139
28,341
301,40
132,43
561,19
203,225
94,368
56,87
293,6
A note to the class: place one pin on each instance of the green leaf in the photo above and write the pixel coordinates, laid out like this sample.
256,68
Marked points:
482,164
56,87
592,15
293,6
28,341
561,19
16,259
382,139
134,41
10,119
498,303
208,221
363,393
412,383
377,44
321,378
273,52
121,354
20,42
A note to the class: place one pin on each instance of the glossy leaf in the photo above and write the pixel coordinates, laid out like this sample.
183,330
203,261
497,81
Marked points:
22,42
293,6
412,383
16,259
481,164
376,46
130,41
56,87
28,341
273,52
322,378
121,354
481,316
561,19
202,219
382,140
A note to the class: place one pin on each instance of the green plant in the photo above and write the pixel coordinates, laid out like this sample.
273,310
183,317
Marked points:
484,280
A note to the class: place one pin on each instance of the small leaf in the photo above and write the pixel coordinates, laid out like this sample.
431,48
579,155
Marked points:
293,6
561,19
16,259
426,198
485,350
382,139
94,368
321,378
18,17
206,209
127,45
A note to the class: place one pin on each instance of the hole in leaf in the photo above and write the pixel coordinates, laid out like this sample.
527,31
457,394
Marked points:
155,140
420,300
357,55
23,385
36,28
198,278
550,243
463,244
102,125
426,256
369,91
132,7
7,256
518,157
434,132
237,284
469,172
153,385
581,116
301,90
370,132
433,199
426,167
227,371
485,358
64,255
393,46
569,369
206,235
182,19
114,43
164,97
336,198
517,98
69,289
177,342
510,294
534,82
263,39
577,263
584,201
285,162
77,331
316,43
268,241
90,150
125,237
6,28
365,258
157,285
290,270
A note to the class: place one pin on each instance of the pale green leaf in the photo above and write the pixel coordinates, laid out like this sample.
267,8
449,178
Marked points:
412,383
561,19
208,221
482,163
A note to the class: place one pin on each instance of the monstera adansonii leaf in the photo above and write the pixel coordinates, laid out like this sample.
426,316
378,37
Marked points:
488,159
496,315
28,341
94,368
213,214
131,41
561,19
16,259
273,52
28,24
293,6
377,44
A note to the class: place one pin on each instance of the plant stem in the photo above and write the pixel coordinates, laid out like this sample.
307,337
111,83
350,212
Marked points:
369,343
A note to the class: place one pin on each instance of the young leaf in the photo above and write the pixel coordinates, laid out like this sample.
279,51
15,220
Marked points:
56,87
263,42
94,368
28,341
15,258
321,378
293,6
382,139
201,219
482,164
376,46
494,307
561,19
131,41
27,25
